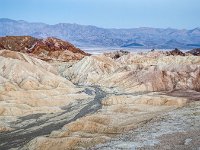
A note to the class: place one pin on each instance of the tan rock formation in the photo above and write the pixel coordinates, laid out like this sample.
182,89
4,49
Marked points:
91,69
40,105
29,85
30,60
119,115
153,71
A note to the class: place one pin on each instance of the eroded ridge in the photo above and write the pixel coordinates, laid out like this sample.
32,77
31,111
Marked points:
100,101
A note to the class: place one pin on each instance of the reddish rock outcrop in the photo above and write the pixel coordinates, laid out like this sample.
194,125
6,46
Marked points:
176,52
46,49
195,52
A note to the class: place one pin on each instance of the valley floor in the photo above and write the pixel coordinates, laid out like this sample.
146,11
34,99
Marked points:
175,130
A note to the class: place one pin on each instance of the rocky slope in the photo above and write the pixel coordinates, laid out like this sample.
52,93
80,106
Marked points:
195,52
50,49
137,72
31,86
100,102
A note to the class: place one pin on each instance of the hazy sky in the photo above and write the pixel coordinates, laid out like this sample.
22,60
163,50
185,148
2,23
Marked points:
106,13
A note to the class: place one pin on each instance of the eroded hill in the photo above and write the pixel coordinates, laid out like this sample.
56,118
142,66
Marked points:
49,49
100,102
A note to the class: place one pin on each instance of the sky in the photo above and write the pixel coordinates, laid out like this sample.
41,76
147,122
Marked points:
181,14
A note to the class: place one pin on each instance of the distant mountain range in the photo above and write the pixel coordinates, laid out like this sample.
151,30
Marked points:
88,36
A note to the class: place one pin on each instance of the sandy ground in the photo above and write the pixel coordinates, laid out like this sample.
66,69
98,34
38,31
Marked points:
176,130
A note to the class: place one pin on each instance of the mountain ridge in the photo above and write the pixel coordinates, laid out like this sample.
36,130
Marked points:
88,35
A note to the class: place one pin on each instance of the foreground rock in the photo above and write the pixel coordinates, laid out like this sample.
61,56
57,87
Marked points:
139,87
50,49
118,115
134,101
31,86
177,129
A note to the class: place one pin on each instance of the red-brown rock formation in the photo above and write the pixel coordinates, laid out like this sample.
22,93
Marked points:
176,52
45,49
195,52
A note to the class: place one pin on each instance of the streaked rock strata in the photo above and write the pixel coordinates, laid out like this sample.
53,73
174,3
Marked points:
99,102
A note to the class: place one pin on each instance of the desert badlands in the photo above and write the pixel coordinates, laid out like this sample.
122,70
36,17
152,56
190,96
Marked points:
55,96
